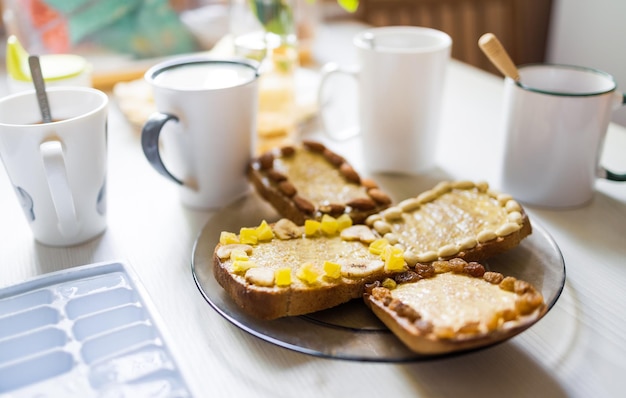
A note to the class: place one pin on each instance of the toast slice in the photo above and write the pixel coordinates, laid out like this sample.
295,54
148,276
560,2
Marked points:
307,181
454,305
281,269
454,219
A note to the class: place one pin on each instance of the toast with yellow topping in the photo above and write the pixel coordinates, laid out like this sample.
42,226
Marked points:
282,269
285,269
307,181
454,305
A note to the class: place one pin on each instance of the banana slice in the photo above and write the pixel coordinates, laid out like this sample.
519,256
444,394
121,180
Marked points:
260,276
223,252
360,270
360,232
287,229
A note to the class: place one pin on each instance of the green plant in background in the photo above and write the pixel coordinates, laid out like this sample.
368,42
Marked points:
276,16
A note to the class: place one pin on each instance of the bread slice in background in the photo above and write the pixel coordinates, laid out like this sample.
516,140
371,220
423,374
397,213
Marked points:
309,180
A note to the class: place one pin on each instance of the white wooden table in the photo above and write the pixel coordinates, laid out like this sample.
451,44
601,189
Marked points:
578,349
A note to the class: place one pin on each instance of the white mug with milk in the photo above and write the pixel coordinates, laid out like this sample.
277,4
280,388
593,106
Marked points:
203,135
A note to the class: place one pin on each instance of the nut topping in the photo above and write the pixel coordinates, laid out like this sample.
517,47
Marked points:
314,146
379,196
335,159
275,175
303,204
287,188
349,173
362,204
266,161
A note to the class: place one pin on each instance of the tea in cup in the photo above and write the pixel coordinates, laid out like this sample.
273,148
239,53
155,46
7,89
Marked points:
58,169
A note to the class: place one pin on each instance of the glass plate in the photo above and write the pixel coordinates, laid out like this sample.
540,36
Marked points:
350,331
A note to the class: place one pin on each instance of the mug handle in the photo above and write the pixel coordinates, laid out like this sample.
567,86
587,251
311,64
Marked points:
150,143
620,100
326,72
58,183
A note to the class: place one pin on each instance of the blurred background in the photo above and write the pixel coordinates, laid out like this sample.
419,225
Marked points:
582,32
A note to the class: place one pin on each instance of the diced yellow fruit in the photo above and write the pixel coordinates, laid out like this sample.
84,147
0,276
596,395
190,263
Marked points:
311,227
282,276
329,224
239,255
248,236
332,270
228,238
394,258
377,246
389,283
308,273
344,221
264,232
241,266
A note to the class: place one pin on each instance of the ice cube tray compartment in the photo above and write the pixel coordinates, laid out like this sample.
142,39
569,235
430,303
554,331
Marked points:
89,329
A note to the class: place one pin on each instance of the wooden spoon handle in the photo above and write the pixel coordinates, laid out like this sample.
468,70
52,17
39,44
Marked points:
497,54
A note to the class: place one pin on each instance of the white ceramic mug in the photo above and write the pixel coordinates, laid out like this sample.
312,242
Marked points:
555,120
206,120
58,169
400,81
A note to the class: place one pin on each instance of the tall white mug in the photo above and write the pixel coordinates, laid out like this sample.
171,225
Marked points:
58,169
555,120
205,127
400,78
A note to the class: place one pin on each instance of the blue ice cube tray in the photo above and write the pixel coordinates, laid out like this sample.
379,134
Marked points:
84,332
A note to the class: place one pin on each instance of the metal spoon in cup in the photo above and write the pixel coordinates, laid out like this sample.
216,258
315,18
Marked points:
497,54
40,88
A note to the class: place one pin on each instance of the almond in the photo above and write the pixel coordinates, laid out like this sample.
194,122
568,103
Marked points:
333,208
266,161
314,146
335,159
349,173
303,204
287,188
288,151
379,196
276,175
362,204
368,183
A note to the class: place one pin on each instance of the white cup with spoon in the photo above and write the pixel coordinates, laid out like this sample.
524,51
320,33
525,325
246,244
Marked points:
555,118
53,144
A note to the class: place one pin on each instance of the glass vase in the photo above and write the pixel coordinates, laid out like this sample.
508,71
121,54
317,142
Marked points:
265,30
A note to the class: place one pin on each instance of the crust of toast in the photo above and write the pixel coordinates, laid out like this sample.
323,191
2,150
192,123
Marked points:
507,307
308,181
